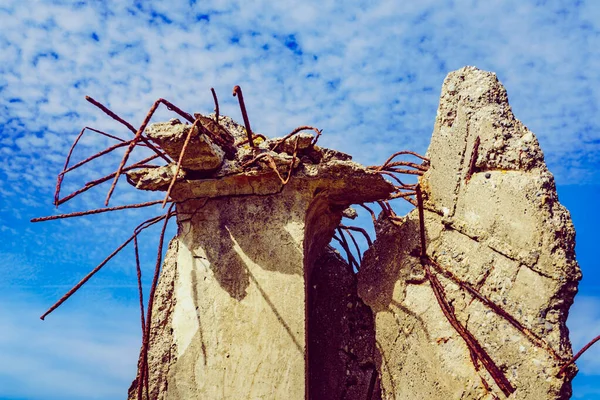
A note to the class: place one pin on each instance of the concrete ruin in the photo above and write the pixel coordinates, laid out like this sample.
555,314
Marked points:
254,303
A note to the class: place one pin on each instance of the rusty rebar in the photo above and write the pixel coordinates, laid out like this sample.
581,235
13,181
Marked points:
387,173
404,195
403,171
358,252
373,216
68,159
94,156
170,106
475,293
349,262
423,240
361,230
128,125
143,379
138,270
108,135
404,152
237,91
273,166
473,161
138,137
96,211
344,243
372,382
181,155
61,175
86,278
255,159
292,163
535,339
385,207
139,279
579,354
214,94
110,113
420,167
294,132
219,135
388,211
410,200
448,310
91,184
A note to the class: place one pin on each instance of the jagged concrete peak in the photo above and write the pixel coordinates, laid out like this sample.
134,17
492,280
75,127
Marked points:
494,222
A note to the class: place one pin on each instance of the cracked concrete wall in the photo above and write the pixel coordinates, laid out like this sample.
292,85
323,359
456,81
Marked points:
252,303
493,220
238,316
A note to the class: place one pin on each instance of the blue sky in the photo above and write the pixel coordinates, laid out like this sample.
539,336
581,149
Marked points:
368,73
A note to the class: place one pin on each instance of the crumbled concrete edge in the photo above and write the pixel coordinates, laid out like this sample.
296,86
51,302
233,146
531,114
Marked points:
162,350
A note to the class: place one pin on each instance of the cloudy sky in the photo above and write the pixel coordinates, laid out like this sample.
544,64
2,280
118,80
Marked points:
368,73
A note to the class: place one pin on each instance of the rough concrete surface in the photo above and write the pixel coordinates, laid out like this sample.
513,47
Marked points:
162,350
493,220
253,304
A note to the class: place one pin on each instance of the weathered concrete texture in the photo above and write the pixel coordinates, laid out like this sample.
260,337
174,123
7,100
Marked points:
493,219
247,245
239,323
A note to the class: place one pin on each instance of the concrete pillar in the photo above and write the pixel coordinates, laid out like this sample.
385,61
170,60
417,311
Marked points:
245,250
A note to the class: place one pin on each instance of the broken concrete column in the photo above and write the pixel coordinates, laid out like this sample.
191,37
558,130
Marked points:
493,224
246,247
253,303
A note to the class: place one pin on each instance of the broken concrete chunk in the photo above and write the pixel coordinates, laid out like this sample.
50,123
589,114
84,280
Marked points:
350,213
298,142
201,154
155,178
493,221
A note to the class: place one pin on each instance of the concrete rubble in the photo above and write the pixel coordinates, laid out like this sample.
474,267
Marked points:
253,303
